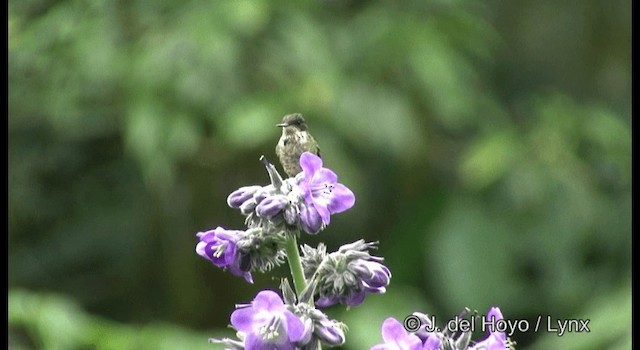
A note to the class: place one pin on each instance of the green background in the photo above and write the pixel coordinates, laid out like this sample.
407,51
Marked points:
488,144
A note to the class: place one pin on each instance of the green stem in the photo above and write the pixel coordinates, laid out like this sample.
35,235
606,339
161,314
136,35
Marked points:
295,265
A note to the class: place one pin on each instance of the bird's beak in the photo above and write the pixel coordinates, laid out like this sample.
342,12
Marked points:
281,125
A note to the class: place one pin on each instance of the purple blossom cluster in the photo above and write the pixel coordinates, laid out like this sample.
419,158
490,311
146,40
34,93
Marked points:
270,323
275,214
304,202
347,275
396,337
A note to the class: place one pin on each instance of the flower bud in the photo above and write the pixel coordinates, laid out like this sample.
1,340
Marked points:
248,206
373,274
290,215
310,219
239,196
271,206
329,332
260,195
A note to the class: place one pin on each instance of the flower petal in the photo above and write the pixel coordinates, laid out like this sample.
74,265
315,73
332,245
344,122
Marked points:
201,249
230,255
432,343
394,333
354,298
324,212
242,319
342,199
495,340
295,327
268,300
392,330
326,301
310,163
227,235
494,314
323,176
207,236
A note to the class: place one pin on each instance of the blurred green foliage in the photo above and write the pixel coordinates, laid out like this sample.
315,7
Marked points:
54,322
488,144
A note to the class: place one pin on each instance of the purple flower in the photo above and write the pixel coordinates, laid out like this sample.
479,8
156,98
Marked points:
321,188
267,324
220,247
397,338
496,340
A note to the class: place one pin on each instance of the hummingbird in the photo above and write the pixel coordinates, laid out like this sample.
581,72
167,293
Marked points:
294,141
